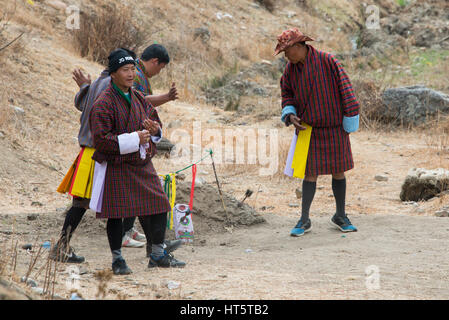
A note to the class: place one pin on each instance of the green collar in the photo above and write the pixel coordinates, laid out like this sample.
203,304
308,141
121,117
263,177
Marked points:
127,97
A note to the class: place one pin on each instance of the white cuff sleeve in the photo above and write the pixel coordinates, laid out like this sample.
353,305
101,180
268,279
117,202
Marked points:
157,138
129,142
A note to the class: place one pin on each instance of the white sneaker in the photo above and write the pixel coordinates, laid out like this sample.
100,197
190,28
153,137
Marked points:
136,235
129,242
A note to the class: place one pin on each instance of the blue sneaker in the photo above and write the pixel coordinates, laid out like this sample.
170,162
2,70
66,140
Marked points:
301,228
343,224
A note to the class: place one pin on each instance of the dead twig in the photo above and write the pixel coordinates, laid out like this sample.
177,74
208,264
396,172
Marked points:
11,42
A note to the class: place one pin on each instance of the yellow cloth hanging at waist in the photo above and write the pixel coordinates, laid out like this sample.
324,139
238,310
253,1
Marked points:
301,152
78,180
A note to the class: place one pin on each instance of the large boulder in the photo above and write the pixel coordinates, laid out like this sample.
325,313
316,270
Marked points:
414,104
421,184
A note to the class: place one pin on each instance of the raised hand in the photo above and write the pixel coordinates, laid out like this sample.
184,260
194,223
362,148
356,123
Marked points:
173,93
80,78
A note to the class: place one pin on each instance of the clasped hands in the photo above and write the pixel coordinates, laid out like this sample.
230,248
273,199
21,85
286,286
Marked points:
151,129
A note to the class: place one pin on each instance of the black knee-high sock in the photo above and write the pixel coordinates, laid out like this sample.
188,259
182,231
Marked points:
154,227
339,189
72,219
114,229
128,223
308,192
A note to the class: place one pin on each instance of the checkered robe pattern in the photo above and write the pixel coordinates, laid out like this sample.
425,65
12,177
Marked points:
141,82
321,92
132,186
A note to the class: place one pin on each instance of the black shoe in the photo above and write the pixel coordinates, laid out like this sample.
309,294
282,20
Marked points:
169,246
343,224
166,261
66,256
119,267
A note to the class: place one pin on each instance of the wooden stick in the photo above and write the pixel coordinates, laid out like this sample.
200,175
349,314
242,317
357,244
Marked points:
218,184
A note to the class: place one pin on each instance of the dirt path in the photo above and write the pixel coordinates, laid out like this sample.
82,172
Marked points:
264,262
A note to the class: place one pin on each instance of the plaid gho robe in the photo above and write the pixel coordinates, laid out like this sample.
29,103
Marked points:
141,82
322,94
132,187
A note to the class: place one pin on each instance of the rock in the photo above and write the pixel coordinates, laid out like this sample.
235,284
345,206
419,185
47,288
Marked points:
414,104
32,216
36,204
260,91
220,15
293,205
381,178
173,284
27,246
2,135
442,213
298,193
30,282
181,176
422,184
164,145
18,111
203,33
425,38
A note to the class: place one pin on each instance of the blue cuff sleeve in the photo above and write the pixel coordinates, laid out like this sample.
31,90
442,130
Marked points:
351,124
286,111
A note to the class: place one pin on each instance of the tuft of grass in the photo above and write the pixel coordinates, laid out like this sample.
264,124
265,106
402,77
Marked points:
423,61
402,3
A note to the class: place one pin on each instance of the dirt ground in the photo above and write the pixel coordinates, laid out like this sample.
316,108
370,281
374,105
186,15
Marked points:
390,257
399,252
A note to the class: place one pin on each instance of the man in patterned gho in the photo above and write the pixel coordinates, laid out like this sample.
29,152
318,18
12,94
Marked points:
78,181
125,128
316,90
153,59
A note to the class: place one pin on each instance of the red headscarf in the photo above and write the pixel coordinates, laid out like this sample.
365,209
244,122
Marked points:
288,38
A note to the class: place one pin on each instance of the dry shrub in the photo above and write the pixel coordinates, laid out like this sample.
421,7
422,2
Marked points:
105,29
369,96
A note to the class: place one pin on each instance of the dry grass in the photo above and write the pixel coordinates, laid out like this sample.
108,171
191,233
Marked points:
369,96
437,136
